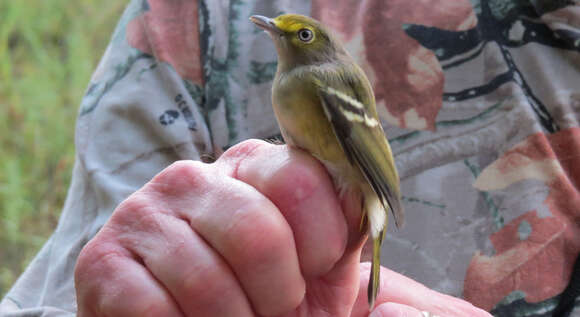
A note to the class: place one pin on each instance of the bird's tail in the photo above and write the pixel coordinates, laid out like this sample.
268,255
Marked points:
374,279
376,217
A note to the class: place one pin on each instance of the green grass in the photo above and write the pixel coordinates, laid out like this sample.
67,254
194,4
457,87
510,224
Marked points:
48,50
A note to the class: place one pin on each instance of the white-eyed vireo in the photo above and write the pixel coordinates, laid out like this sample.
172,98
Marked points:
325,105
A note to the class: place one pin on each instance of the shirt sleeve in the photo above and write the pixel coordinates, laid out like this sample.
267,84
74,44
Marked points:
141,112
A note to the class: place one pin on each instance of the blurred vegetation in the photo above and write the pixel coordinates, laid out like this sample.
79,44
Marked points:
48,50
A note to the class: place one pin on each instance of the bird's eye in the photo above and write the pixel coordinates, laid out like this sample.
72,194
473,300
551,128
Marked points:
305,35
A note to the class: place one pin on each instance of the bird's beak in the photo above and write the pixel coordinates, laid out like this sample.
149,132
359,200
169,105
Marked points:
266,23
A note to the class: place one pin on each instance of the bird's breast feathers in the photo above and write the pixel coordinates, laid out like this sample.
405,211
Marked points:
304,123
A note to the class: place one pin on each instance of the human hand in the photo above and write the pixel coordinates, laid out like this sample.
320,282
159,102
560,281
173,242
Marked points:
260,232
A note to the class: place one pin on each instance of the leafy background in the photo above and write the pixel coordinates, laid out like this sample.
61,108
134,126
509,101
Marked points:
48,50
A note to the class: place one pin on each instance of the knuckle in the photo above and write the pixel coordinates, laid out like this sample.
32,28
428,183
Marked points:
134,203
138,206
244,151
183,167
279,172
96,257
245,148
140,220
299,178
180,177
149,221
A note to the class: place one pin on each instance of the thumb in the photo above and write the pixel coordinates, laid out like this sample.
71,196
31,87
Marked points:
397,288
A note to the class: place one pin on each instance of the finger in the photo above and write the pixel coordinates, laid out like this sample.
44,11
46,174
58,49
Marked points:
195,275
302,190
398,288
109,282
395,310
244,227
334,290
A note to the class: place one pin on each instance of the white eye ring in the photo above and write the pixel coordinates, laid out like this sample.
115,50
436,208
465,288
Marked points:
305,35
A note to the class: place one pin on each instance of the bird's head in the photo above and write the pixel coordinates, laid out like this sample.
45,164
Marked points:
300,40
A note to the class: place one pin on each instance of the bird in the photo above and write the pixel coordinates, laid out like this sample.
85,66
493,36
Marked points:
324,104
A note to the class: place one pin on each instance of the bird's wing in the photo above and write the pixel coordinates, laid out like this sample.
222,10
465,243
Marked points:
358,130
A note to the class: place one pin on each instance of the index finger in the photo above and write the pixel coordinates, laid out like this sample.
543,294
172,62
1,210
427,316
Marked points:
300,187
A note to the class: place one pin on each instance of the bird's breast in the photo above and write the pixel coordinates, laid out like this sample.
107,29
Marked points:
304,124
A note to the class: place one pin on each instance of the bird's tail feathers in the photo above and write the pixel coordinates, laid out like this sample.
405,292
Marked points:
374,282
